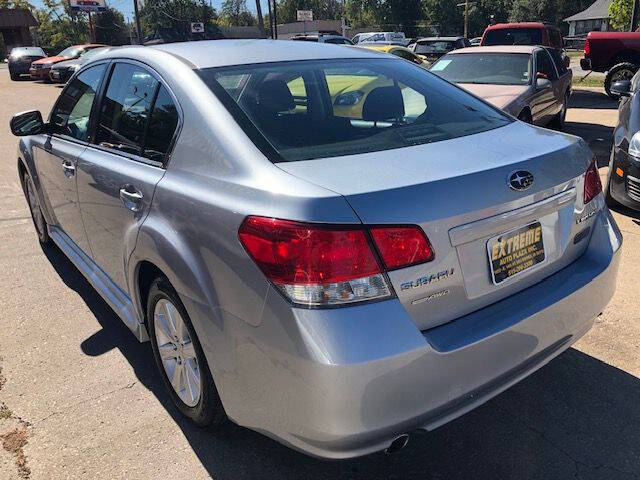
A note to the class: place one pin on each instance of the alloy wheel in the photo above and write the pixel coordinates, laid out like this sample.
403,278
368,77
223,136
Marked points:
177,352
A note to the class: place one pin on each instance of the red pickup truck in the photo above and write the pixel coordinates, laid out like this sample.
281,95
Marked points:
617,53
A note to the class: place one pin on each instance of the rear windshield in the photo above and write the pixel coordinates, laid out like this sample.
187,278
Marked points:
513,36
485,68
313,109
434,46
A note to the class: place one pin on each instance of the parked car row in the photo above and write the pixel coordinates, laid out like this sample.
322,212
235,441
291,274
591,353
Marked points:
325,244
58,68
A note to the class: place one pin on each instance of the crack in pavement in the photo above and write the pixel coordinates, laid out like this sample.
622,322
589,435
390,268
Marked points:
576,463
82,402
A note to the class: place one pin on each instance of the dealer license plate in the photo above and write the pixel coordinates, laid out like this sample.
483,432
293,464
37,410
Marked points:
513,252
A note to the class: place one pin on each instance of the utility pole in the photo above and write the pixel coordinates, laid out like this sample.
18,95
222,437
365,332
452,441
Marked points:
137,14
466,6
270,18
275,19
260,19
634,16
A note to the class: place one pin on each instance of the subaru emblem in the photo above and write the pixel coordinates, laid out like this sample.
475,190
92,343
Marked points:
520,180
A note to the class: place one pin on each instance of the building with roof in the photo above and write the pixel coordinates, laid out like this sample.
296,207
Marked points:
594,18
14,27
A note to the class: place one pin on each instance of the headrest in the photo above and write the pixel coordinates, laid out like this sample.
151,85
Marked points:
383,103
275,96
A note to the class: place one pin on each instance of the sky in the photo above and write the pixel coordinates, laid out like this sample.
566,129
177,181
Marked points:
126,6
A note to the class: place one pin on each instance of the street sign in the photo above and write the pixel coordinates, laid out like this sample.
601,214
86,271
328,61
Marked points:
305,15
197,27
87,5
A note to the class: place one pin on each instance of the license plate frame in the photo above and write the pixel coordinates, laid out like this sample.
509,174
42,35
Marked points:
522,259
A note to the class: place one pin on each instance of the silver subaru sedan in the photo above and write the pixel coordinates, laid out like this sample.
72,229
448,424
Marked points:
322,244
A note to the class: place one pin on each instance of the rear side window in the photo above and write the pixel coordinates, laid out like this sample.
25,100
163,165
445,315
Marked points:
125,109
352,106
513,36
163,123
71,114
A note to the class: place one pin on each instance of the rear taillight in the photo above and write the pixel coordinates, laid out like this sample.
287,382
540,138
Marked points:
401,247
321,265
587,48
592,184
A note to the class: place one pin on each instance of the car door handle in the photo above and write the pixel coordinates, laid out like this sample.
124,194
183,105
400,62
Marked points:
69,168
131,198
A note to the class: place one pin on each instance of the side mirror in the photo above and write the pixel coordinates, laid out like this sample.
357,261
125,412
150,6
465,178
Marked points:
27,123
543,83
622,88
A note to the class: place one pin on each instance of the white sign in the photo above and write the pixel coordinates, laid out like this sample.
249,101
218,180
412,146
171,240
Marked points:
87,5
197,27
305,15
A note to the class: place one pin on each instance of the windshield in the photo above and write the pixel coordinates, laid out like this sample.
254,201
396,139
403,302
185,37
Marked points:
485,68
70,52
24,51
513,36
434,46
89,54
313,109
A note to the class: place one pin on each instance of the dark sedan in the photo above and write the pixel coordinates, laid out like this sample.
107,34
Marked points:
61,72
20,60
623,182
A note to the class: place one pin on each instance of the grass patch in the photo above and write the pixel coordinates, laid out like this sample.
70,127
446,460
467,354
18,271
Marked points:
5,412
588,82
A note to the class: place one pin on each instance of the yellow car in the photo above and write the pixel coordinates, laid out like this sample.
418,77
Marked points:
348,92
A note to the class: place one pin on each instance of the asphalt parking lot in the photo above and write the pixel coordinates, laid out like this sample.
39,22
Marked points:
80,397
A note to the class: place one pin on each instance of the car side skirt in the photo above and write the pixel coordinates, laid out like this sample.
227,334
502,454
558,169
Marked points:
118,300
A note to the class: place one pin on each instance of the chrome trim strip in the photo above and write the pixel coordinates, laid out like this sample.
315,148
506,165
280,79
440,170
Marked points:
499,223
118,300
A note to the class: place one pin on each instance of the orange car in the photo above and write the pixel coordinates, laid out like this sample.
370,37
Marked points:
40,68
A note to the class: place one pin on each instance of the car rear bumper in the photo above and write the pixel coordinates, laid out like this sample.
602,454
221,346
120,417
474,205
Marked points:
341,383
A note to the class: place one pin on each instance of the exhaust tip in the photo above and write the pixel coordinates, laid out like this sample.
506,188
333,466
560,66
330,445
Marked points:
397,444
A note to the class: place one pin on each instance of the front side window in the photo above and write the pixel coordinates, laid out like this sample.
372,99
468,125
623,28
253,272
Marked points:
124,114
485,68
353,106
71,115
544,66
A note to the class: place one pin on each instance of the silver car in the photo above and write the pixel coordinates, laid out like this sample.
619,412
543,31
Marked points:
531,83
325,245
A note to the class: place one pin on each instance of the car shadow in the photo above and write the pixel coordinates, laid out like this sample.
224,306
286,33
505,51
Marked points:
598,137
575,418
591,99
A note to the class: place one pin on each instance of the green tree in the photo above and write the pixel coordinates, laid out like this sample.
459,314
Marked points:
445,16
15,4
110,28
59,27
171,19
236,13
533,11
620,14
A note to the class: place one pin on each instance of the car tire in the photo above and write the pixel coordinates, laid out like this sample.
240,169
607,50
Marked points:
165,312
39,222
620,71
14,76
525,116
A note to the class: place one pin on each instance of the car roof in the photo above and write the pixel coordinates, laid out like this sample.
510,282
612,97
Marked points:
498,49
500,26
441,39
221,53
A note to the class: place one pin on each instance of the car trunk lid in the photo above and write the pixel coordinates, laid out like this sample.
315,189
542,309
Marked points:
457,191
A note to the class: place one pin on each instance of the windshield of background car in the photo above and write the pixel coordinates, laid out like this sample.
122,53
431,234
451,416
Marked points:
435,46
513,36
485,68
70,52
26,51
89,54
312,109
